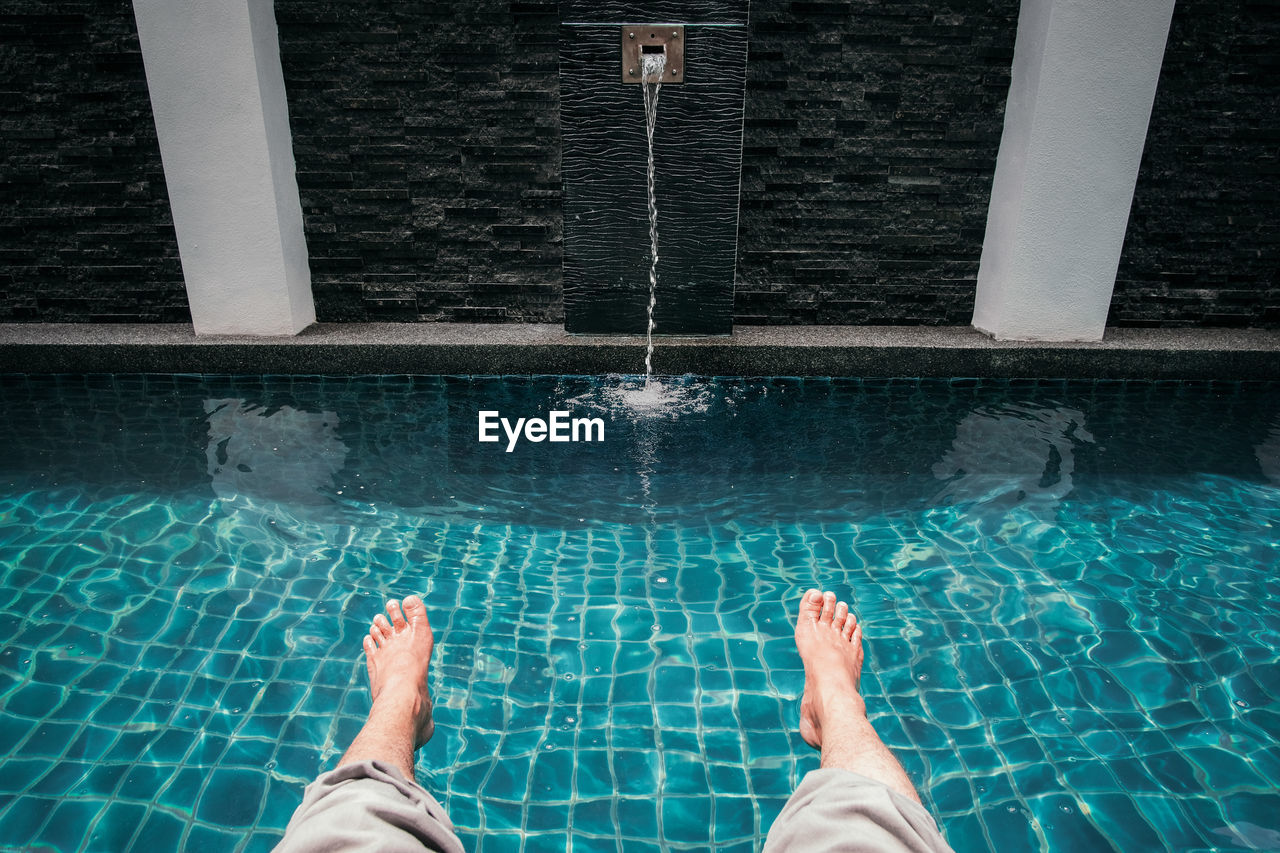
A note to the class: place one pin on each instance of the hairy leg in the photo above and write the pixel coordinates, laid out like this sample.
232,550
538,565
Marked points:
398,655
833,717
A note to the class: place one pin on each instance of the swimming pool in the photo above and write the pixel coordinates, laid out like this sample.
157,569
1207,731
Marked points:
1068,591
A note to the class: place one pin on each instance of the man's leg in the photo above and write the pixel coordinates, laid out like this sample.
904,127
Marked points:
370,801
861,798
397,654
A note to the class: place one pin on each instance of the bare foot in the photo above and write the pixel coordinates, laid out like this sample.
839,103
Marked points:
829,640
398,654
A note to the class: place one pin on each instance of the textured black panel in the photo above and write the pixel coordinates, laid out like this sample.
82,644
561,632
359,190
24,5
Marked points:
1203,245
428,151
697,145
654,12
870,142
85,229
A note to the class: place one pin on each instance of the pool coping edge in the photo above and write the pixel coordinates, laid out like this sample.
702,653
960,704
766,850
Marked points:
457,348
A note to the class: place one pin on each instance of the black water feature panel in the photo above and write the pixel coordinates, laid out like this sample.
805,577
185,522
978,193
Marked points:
698,51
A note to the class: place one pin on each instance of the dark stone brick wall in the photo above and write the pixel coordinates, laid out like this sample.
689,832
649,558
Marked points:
871,138
427,143
428,154
1204,232
85,228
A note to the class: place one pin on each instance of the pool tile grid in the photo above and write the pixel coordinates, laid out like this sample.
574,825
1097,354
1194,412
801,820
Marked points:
1049,723
606,698
155,716
159,647
151,634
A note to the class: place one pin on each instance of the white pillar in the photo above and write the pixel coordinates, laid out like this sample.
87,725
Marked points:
1084,78
217,91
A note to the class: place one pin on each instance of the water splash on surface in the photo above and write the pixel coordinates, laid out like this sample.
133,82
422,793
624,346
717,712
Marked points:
647,398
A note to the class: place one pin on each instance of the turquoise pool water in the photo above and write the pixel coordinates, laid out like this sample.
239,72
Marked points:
1069,595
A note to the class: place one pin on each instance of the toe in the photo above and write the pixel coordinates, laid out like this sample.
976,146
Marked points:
375,637
811,604
370,648
850,625
381,624
842,613
414,609
397,618
828,608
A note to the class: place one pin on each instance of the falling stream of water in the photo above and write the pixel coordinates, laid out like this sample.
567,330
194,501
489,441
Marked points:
653,68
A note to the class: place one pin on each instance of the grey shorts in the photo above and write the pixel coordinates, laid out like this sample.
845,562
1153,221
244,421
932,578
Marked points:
839,810
370,806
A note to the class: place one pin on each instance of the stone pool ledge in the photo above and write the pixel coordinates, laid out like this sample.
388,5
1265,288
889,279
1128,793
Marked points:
445,348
